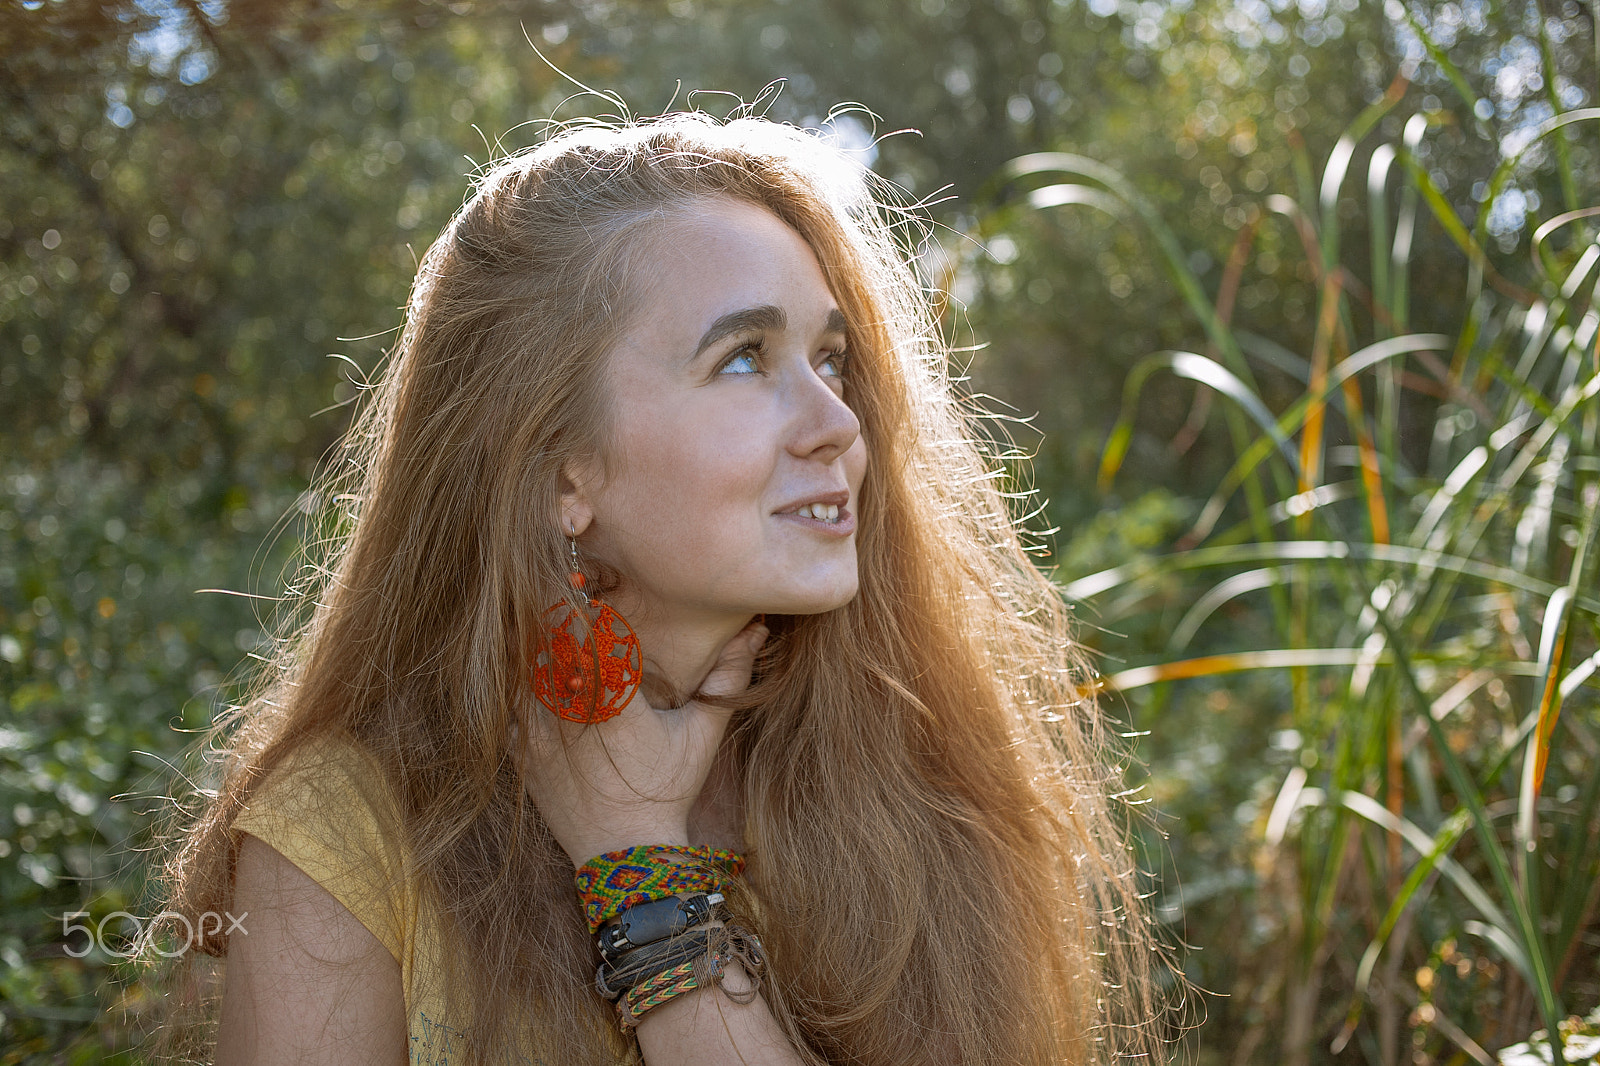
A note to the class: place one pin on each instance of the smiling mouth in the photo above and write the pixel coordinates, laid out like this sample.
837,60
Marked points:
822,512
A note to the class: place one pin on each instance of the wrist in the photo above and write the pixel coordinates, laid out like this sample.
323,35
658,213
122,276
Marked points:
581,850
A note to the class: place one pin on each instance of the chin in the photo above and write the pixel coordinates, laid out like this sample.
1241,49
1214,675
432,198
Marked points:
811,602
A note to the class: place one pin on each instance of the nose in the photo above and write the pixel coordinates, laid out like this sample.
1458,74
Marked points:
822,426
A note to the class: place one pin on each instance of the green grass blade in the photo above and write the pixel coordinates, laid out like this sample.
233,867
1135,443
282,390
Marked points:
1443,498
1068,194
1173,255
1578,675
1508,166
1293,419
1522,933
1577,902
1536,245
1338,165
1376,813
1553,646
1092,585
1443,841
1458,81
1405,229
1194,367
1378,168
1274,355
1235,662
1547,64
1220,594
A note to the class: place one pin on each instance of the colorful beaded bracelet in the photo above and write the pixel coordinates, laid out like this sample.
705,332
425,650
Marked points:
609,884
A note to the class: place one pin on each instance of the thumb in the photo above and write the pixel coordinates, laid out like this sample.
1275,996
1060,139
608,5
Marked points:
730,675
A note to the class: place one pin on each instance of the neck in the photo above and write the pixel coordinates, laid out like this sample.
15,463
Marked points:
679,646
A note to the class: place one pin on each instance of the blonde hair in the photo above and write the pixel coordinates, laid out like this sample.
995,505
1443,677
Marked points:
936,866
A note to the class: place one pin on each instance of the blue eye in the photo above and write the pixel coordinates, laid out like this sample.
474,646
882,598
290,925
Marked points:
833,366
743,362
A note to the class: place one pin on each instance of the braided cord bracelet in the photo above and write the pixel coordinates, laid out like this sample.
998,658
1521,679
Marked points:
613,980
707,969
664,987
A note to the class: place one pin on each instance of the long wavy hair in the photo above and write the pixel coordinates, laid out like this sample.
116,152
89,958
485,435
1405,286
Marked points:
937,864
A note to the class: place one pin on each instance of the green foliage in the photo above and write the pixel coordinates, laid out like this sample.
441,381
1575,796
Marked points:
105,655
1431,601
199,199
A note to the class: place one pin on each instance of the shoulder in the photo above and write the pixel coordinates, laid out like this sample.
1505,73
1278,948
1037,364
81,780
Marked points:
327,810
318,769
326,787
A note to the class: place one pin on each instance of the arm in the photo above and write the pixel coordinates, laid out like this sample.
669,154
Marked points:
633,780
308,983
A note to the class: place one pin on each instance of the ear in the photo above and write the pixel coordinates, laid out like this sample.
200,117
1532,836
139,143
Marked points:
577,509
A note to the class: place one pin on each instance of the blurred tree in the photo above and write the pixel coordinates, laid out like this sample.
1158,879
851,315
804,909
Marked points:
202,200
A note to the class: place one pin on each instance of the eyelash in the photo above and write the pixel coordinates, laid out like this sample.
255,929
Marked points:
756,351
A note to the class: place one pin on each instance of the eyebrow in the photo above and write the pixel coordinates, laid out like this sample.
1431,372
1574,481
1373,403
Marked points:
756,319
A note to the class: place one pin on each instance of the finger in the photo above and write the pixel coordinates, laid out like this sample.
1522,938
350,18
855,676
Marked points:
730,675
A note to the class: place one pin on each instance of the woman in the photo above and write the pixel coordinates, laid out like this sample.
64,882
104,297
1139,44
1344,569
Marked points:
674,378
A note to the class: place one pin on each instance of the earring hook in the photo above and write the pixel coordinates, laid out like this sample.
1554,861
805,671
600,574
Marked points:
575,577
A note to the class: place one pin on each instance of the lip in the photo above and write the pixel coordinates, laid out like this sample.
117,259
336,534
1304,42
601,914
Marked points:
835,499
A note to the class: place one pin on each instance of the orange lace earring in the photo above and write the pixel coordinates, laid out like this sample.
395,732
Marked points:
589,668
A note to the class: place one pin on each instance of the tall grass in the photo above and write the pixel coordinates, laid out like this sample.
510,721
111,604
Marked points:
1433,597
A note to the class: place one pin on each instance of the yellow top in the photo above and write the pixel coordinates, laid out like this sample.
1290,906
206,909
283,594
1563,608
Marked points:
327,809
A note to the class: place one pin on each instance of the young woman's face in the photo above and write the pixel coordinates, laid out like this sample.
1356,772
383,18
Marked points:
735,464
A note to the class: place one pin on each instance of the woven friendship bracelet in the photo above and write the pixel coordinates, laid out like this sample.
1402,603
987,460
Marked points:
660,982
609,884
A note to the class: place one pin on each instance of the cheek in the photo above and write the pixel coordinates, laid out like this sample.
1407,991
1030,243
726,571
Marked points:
855,465
684,470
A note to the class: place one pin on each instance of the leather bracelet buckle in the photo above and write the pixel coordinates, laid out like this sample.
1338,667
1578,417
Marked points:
649,923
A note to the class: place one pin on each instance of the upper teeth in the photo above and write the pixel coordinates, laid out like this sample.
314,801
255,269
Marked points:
822,512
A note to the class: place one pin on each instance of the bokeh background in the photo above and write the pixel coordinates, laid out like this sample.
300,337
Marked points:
1288,306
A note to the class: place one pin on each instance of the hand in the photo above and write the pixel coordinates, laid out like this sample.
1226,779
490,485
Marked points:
632,779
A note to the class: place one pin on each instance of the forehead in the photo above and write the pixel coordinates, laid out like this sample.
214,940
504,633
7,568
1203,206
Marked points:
723,255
